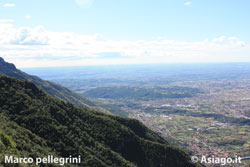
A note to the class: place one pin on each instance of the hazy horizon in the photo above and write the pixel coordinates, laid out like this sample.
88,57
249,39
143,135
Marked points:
134,65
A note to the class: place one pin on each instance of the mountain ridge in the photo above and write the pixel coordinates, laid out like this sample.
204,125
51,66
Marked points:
51,88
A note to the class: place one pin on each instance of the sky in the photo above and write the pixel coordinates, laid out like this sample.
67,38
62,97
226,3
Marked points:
42,33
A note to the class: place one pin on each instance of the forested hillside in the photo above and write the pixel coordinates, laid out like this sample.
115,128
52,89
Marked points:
140,93
35,124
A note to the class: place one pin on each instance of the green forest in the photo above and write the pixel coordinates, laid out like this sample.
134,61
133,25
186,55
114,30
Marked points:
141,93
35,124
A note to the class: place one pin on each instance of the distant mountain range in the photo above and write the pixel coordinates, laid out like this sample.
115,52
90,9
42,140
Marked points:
35,124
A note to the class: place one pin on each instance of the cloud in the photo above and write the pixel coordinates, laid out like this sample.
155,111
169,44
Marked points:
9,5
233,41
27,16
6,20
219,39
22,36
84,3
236,42
34,47
188,3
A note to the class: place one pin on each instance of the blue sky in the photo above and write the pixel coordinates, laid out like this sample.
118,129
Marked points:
143,30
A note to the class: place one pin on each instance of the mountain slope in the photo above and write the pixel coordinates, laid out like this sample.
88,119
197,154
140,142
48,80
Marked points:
51,88
20,142
102,140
